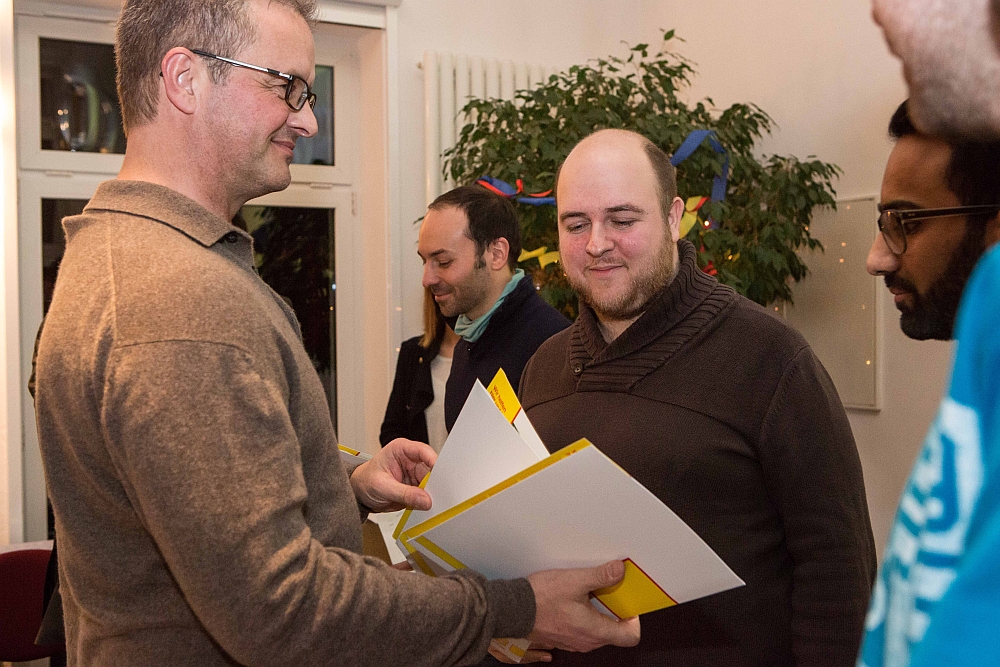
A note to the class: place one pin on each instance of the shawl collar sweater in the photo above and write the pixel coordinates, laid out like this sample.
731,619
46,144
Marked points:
204,515
724,413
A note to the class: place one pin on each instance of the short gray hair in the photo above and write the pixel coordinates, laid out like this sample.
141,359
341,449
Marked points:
147,29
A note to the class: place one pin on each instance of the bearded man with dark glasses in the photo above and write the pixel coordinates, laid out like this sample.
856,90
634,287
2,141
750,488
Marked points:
937,215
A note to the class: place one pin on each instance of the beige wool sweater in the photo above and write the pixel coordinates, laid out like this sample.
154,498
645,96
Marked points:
204,516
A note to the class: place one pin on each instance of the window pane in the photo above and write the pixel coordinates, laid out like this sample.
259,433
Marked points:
294,252
54,241
319,149
80,109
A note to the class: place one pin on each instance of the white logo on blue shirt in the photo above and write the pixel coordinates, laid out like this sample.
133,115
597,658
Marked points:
928,538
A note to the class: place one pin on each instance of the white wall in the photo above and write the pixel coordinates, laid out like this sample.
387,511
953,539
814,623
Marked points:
821,70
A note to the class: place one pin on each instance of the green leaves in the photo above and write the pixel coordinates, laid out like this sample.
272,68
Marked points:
764,220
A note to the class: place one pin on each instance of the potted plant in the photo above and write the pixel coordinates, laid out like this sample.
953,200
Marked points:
753,236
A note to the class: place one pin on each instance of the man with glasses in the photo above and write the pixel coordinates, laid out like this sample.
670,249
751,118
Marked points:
204,515
937,598
937,216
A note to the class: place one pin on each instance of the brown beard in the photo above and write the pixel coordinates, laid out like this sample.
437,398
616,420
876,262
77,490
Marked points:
633,302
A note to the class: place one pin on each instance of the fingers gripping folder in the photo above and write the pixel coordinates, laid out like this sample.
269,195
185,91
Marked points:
505,507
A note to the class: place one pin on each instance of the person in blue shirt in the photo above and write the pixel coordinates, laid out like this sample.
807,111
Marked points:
937,598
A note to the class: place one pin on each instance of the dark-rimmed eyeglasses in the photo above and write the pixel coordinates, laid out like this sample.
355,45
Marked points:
895,224
297,92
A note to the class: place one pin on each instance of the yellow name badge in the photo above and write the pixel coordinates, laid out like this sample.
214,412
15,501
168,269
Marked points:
504,396
635,594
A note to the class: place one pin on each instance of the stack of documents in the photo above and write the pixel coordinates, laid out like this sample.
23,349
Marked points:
505,507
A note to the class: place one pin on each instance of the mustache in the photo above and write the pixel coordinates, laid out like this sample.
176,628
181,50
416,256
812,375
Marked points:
605,262
893,280
285,135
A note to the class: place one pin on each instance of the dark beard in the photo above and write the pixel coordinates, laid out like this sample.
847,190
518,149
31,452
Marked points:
933,314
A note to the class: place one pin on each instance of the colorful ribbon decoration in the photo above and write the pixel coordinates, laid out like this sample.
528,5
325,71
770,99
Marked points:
683,152
505,189
719,183
690,219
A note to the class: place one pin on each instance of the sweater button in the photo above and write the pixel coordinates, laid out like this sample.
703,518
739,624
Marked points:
577,369
231,237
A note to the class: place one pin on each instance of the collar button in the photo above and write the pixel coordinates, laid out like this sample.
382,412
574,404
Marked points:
231,237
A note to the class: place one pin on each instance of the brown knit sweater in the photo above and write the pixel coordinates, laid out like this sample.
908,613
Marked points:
203,514
724,413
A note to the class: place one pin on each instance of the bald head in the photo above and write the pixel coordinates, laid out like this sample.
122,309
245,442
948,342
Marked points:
630,150
617,239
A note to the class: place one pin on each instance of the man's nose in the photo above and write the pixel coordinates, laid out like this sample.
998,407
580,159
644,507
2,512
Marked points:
304,121
881,260
430,278
599,242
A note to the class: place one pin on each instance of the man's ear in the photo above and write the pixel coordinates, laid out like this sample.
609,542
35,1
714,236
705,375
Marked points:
497,253
181,79
674,218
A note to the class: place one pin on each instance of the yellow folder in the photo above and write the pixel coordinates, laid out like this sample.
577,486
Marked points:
573,508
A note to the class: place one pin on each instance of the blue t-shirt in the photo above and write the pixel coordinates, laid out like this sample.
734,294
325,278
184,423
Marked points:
937,598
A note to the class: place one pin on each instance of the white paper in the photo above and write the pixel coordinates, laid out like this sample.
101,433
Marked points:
482,450
386,522
581,511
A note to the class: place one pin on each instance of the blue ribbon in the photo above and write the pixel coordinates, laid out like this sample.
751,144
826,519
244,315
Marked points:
690,145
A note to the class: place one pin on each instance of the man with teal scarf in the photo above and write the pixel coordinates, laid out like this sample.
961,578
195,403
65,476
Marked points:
469,242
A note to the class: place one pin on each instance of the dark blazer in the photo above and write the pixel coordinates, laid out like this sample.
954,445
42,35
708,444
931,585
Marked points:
521,323
412,393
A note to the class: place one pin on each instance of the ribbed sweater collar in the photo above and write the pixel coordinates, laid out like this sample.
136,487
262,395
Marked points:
667,323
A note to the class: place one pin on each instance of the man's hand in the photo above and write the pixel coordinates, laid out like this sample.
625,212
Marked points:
389,481
564,617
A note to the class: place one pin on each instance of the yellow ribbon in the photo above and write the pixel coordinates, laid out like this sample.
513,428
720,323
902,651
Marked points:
549,258
525,255
544,256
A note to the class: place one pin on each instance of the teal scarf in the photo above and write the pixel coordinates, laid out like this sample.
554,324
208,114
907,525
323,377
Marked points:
471,330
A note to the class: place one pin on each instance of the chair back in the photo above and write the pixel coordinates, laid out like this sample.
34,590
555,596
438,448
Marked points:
22,582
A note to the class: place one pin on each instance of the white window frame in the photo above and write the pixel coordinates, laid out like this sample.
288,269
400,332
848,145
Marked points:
29,103
35,186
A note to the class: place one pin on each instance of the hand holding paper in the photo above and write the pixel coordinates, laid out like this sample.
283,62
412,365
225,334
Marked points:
390,480
566,619
506,508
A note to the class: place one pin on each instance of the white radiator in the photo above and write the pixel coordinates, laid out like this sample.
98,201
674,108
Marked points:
449,81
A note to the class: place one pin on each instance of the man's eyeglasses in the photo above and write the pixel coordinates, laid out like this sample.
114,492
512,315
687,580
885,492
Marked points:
297,93
895,224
